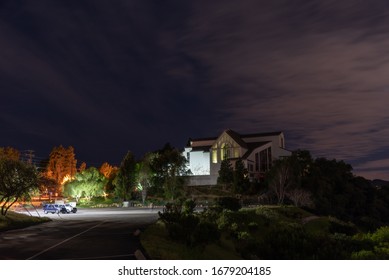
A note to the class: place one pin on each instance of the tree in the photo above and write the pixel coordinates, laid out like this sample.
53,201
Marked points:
17,181
241,180
300,197
145,175
110,173
106,169
82,166
226,174
332,187
287,175
9,153
127,177
88,183
281,178
62,164
169,166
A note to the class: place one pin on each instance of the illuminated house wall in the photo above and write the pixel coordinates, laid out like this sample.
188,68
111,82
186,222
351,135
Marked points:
257,151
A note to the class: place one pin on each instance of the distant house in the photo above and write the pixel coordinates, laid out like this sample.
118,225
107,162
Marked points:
257,151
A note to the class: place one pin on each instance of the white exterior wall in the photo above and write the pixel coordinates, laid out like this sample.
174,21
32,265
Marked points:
199,163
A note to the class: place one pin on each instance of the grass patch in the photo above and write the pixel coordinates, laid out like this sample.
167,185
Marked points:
15,220
319,226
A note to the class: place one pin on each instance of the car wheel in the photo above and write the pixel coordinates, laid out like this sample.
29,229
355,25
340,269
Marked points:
45,212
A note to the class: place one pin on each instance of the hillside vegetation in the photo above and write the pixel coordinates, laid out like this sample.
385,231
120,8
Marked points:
265,232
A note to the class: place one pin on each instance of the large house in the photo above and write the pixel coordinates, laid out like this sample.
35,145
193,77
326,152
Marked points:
257,151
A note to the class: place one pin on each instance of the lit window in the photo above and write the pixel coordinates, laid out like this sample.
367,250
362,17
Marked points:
214,156
225,151
236,152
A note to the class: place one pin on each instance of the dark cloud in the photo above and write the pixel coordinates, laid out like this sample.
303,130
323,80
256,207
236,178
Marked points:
107,77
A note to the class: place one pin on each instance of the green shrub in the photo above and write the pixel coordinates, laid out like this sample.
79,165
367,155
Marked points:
226,220
188,206
381,235
363,255
243,235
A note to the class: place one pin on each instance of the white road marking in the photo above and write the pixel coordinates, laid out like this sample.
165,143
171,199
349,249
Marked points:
64,241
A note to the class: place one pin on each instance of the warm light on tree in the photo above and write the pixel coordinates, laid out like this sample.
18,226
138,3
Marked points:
62,163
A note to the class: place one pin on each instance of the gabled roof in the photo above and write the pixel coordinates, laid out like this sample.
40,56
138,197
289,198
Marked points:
236,137
261,134
253,146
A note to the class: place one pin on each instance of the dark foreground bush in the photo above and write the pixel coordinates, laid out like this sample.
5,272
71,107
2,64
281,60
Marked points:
229,203
187,227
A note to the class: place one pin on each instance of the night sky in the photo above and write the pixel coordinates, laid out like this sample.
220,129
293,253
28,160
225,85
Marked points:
111,76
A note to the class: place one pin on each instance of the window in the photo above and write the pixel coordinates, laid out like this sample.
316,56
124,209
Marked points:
256,162
224,151
265,159
214,155
236,152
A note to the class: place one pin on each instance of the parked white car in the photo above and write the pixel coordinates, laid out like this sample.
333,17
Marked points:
67,208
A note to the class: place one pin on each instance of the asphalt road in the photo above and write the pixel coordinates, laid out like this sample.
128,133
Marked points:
92,234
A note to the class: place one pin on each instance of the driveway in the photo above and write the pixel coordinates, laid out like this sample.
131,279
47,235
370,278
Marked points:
107,233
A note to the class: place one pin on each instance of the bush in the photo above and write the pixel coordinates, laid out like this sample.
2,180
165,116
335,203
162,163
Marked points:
188,206
363,255
184,226
227,220
381,235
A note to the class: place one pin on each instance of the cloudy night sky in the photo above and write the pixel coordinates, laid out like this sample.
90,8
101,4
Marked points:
111,76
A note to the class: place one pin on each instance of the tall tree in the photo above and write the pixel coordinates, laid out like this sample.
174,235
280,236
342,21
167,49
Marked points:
226,174
62,164
17,181
145,175
126,179
169,168
110,173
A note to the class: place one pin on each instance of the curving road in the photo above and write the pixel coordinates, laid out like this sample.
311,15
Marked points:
107,233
